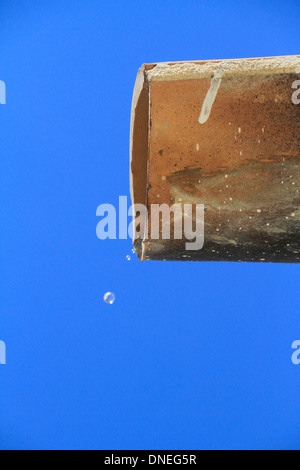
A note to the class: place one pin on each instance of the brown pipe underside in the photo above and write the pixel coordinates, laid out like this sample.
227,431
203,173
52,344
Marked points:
224,134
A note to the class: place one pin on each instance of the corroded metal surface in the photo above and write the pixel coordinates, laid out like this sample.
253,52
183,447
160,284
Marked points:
224,134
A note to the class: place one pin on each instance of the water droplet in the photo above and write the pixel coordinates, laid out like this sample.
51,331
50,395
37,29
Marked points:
109,298
133,250
128,258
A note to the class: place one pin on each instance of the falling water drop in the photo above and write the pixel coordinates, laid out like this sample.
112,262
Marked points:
109,298
128,258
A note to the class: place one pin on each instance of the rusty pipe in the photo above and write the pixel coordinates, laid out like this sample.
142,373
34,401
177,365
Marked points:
225,134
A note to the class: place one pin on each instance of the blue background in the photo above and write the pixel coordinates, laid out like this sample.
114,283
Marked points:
191,355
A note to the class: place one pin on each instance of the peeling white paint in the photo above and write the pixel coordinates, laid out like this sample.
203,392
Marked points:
210,98
166,71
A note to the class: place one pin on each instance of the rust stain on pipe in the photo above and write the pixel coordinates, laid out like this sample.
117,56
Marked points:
224,134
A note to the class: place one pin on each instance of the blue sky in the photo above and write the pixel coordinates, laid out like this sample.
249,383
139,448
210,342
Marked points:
191,355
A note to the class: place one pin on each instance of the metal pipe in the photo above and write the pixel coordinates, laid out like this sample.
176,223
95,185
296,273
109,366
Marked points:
224,134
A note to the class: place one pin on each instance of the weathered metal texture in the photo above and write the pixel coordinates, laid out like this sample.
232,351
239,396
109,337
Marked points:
224,134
